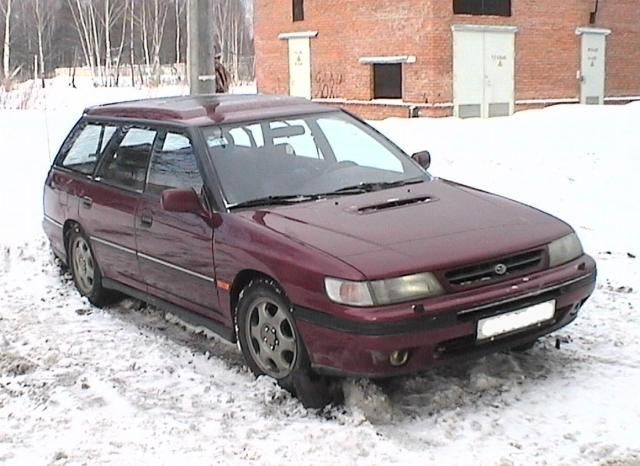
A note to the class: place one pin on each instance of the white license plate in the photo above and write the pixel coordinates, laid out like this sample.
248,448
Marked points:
510,321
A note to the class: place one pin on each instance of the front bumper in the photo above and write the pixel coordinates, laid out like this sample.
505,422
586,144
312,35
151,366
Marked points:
446,330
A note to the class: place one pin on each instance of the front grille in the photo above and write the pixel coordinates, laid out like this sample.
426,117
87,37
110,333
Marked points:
499,269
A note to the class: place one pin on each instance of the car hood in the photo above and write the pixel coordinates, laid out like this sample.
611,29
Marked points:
433,226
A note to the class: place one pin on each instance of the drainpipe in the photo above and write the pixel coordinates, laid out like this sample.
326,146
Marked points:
594,14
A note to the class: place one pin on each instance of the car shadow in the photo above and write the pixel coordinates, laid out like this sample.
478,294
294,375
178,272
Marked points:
487,383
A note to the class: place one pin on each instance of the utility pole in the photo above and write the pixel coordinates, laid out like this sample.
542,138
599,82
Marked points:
201,44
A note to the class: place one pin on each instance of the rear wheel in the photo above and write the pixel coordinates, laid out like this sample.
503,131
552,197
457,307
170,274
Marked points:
272,345
85,270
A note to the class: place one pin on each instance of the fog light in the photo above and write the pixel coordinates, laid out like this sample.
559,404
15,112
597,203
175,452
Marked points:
399,358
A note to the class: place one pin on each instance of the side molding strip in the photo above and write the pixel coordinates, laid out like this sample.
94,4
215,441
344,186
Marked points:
52,221
153,259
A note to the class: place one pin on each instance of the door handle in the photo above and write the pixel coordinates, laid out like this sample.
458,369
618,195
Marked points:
87,202
146,220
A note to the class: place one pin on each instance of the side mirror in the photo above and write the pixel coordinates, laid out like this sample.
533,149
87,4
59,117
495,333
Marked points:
422,158
180,200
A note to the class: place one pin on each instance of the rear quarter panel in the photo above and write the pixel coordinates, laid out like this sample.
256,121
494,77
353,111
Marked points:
60,205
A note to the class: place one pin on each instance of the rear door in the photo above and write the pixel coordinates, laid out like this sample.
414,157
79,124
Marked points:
71,176
175,249
108,205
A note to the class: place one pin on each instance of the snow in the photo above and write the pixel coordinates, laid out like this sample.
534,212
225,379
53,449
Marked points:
80,385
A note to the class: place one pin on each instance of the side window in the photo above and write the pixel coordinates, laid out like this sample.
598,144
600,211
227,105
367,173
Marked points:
174,165
126,165
87,147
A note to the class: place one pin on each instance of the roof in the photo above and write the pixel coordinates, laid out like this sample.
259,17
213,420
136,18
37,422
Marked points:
203,110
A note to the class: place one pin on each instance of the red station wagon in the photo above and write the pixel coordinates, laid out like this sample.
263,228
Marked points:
306,236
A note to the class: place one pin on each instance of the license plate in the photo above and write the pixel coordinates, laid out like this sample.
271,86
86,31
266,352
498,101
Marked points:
515,320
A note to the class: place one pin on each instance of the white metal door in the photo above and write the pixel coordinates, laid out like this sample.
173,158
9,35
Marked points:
499,71
300,67
593,68
468,73
483,72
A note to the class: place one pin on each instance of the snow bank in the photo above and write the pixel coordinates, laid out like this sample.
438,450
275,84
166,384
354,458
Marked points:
123,385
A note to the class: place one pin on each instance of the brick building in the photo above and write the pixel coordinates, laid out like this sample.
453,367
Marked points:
441,57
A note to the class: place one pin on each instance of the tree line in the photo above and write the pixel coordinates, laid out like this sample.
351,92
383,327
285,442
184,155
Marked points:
115,39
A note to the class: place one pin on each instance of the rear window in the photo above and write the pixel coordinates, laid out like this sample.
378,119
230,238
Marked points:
86,148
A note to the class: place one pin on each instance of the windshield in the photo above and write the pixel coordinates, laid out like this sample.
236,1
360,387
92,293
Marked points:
304,156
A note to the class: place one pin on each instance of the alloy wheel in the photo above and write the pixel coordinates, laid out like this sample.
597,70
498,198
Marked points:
83,265
272,338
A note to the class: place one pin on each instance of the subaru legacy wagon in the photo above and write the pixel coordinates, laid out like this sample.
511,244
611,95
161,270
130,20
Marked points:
306,236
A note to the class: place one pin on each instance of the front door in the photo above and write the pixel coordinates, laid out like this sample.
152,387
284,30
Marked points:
300,67
175,249
483,71
593,66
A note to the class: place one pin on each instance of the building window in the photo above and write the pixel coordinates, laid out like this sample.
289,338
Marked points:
387,80
298,10
482,7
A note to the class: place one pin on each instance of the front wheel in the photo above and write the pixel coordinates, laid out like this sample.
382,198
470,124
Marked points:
271,343
84,269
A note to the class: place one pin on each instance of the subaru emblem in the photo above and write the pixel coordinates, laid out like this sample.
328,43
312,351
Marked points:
500,269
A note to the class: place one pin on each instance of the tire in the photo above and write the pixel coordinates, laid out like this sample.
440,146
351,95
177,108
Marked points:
85,270
272,345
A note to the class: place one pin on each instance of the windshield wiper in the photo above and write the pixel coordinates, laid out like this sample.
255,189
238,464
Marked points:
347,190
372,186
273,200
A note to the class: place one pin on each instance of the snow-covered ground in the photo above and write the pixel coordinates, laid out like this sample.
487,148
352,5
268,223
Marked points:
80,385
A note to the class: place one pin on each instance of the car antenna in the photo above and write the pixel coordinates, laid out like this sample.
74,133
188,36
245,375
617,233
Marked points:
46,120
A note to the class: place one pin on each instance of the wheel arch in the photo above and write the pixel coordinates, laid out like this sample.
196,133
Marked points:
67,228
244,278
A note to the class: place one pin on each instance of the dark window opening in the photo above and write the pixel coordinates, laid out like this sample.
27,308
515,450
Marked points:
482,7
387,81
298,10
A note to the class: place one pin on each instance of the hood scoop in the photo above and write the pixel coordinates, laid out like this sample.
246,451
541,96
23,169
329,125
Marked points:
394,204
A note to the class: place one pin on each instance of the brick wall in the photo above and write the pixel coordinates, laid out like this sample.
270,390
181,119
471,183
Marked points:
547,47
623,46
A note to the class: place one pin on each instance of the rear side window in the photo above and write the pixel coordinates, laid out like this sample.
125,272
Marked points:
126,165
85,150
174,165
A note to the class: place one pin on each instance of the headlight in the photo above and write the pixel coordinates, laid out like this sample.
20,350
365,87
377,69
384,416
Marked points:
383,292
564,250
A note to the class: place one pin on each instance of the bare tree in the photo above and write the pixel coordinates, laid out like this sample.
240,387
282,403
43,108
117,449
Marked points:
132,57
180,6
37,36
152,21
123,33
44,16
232,31
78,11
6,10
